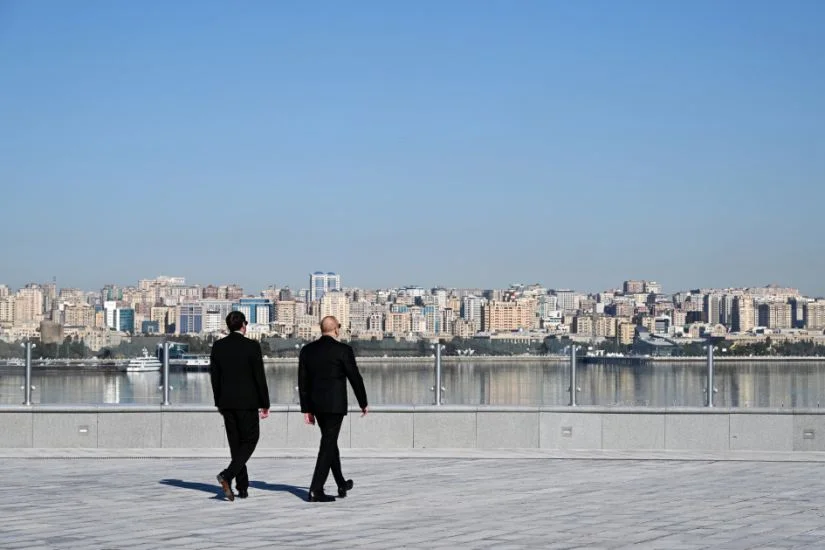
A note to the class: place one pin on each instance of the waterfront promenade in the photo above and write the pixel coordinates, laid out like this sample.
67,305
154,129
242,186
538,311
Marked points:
502,499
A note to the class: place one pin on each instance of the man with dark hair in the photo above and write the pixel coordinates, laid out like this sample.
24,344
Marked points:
239,385
324,366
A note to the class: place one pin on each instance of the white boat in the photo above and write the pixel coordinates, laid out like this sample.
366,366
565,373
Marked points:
190,361
146,363
196,360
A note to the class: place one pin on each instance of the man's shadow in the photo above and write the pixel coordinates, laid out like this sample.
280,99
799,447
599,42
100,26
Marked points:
299,492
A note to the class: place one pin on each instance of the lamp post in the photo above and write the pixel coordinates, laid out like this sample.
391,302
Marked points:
711,390
438,388
27,388
166,346
573,387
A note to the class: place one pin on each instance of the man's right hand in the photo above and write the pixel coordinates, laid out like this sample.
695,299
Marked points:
309,418
364,412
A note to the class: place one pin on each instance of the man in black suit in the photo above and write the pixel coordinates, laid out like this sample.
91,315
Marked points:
238,382
324,367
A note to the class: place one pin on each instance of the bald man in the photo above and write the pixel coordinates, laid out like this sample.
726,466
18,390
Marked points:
324,367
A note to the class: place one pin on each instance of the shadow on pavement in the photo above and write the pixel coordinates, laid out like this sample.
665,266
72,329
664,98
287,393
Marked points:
205,487
300,492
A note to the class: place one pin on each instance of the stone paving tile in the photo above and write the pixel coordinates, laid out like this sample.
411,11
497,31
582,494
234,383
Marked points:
136,504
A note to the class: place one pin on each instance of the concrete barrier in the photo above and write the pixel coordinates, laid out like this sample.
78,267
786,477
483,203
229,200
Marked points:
447,427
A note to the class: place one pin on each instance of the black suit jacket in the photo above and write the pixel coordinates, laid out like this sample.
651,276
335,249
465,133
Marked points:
236,367
324,367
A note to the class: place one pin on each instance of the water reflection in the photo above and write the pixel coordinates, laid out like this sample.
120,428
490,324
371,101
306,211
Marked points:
528,383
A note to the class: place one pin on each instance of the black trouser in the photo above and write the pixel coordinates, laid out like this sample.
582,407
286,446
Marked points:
242,431
328,455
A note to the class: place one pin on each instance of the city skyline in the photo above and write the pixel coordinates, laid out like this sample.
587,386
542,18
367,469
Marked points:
460,144
344,282
637,314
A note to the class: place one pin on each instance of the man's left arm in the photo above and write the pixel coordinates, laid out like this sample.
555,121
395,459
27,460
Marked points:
354,377
260,377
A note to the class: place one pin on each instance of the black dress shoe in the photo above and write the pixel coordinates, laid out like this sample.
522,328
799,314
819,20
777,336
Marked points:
227,489
342,489
243,493
320,496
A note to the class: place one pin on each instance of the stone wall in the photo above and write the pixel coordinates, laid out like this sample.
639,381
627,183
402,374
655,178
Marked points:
446,427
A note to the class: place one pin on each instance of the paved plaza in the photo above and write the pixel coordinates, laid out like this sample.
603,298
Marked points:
72,499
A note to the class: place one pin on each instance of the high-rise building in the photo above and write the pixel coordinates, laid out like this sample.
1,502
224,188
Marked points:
189,319
711,308
433,319
418,323
72,296
397,322
49,296
164,316
626,332
230,292
814,315
252,307
4,291
471,310
798,311
743,313
634,287
583,325
726,309
320,283
679,318
125,320
109,308
263,314
111,293
661,325
336,303
566,299
622,307
79,315
359,313
652,287
7,310
210,292
213,322
375,322
508,316
221,308
28,305
775,315
285,312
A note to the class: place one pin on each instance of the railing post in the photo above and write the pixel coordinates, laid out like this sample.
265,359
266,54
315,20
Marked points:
166,373
573,387
438,373
27,389
710,376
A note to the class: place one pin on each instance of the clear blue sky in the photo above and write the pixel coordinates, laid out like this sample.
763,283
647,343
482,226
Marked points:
461,143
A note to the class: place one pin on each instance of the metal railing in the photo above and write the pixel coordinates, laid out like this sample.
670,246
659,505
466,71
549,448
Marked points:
530,386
